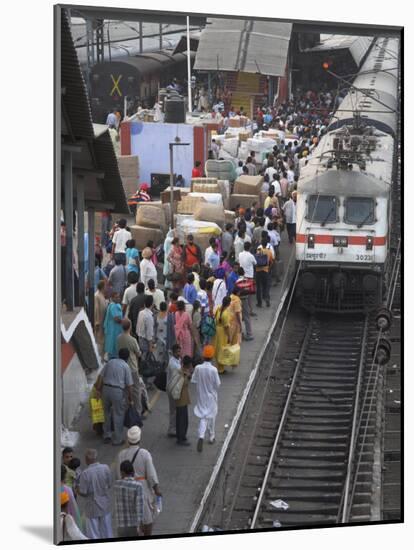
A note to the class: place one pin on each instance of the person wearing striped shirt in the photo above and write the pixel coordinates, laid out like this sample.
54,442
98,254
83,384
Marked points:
129,502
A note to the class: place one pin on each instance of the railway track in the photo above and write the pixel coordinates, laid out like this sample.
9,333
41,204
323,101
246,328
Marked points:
306,452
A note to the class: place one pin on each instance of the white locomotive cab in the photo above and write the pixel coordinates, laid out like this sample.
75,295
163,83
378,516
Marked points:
343,238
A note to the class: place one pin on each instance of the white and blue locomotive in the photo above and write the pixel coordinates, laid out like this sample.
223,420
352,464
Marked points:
345,193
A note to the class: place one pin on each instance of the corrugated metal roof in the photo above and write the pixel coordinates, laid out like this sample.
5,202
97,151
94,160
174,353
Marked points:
76,108
78,121
244,45
105,156
357,45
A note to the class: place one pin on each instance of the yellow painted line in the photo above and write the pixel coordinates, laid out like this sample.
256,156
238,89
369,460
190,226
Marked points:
153,401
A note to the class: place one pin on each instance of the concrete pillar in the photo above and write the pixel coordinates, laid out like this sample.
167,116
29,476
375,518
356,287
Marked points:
91,267
80,208
67,262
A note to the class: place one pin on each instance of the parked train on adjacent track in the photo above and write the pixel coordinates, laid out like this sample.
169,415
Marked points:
345,194
137,77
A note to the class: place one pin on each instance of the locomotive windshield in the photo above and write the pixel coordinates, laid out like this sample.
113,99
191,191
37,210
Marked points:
360,211
322,208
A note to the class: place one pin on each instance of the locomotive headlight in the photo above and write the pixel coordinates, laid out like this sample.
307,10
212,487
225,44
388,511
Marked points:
370,243
311,241
340,241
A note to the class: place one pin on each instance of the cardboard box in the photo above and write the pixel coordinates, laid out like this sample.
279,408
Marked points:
166,195
248,185
245,201
142,235
128,165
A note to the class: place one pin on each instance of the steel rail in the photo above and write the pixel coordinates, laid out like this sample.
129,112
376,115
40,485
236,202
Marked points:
281,425
354,432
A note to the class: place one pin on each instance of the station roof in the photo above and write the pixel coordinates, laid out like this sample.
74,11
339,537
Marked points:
75,104
97,151
244,45
357,45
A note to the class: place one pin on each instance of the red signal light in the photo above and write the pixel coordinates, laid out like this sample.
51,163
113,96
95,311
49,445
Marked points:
325,65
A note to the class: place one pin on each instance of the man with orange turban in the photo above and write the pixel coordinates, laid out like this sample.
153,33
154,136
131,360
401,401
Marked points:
68,528
208,382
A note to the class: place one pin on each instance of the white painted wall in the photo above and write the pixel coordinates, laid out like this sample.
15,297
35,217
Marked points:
150,142
75,390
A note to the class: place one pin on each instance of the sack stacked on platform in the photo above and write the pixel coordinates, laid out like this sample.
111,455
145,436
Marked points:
248,185
210,213
150,216
142,235
129,170
245,201
189,204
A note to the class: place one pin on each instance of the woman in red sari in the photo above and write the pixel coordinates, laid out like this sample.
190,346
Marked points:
183,328
175,257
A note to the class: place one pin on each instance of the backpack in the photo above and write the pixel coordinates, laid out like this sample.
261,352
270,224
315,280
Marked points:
262,259
208,326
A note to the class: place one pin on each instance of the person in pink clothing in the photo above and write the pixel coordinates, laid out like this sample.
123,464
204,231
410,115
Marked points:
183,327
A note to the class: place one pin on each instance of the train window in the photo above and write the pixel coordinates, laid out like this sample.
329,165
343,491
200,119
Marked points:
359,211
322,208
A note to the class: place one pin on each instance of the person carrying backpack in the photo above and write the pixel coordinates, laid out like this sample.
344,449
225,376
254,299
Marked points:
264,259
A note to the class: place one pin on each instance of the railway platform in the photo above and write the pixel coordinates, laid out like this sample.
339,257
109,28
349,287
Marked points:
184,473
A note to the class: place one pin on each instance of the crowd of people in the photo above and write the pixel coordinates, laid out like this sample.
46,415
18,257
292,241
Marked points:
175,314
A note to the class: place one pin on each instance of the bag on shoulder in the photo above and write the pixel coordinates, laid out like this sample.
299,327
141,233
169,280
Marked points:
208,326
160,381
262,259
175,385
246,286
132,418
149,366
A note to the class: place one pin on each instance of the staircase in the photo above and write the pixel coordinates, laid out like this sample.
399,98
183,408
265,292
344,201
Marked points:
242,86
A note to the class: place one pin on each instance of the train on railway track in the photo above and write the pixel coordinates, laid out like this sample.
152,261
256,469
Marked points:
345,193
137,78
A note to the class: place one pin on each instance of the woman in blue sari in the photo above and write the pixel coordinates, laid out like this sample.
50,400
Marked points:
112,325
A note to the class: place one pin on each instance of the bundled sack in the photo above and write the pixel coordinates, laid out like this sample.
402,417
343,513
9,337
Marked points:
205,188
189,204
142,235
202,231
221,169
231,146
203,180
210,213
150,216
166,207
212,198
245,201
248,185
128,166
130,185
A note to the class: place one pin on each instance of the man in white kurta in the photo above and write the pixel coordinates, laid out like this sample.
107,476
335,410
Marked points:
208,382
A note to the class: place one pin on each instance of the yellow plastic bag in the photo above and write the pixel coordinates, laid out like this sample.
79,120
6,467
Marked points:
230,355
97,410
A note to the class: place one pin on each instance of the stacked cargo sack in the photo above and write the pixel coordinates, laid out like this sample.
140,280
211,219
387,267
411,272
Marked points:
129,170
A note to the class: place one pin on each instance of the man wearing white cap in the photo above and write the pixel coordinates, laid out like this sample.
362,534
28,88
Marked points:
144,472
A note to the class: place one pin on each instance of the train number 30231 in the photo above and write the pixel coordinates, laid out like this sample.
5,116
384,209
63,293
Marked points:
364,257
